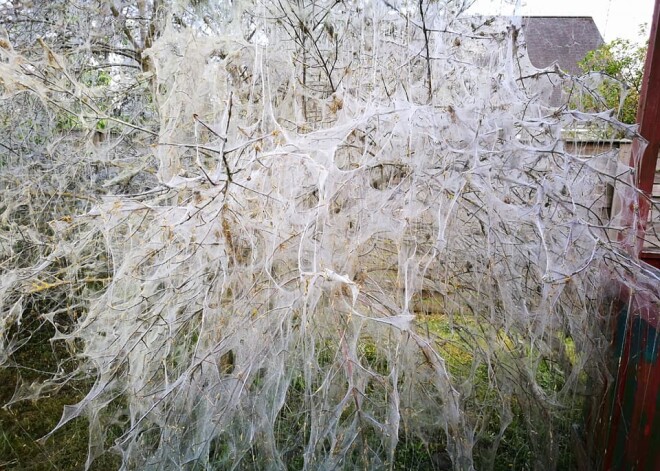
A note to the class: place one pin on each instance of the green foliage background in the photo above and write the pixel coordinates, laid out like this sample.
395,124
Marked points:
621,62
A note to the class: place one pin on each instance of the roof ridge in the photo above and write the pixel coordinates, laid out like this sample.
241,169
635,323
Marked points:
556,16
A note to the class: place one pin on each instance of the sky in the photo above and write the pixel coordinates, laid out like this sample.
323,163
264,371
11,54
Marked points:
614,18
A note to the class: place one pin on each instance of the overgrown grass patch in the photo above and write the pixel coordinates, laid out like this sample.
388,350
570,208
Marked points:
24,423
510,429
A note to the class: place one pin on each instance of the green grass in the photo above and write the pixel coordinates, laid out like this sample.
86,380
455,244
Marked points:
459,339
23,423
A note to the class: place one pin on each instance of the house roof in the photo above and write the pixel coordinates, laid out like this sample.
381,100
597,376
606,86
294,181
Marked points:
561,39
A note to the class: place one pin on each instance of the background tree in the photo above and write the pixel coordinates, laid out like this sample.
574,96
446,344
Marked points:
620,65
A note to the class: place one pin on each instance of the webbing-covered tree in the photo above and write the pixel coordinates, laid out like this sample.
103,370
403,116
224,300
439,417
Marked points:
308,235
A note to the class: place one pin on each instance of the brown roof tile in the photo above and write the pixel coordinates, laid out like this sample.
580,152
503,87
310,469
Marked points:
561,39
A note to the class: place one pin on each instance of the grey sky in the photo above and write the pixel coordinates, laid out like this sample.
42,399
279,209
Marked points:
615,18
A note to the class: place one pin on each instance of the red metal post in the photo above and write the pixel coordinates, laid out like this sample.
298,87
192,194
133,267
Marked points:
643,159
633,417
